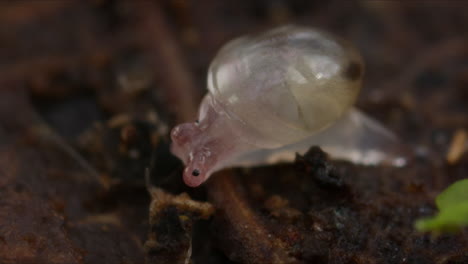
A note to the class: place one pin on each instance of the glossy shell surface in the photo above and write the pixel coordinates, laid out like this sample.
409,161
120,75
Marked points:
286,82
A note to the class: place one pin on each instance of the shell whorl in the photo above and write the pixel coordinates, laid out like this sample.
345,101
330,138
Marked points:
286,83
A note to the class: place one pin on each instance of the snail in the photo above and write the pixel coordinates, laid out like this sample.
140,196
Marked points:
276,94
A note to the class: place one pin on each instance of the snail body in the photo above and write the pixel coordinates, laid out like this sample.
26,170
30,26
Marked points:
275,94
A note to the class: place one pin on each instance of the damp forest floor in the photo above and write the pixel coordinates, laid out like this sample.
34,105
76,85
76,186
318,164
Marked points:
90,89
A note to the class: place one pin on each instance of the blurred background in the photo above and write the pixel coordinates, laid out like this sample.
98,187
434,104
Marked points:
90,89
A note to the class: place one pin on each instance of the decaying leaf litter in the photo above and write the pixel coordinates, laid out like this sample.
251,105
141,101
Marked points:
90,90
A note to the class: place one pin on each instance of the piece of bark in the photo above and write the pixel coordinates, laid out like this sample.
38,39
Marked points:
171,223
46,193
32,207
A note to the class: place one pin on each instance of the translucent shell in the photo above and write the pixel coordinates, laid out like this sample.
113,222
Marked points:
278,93
286,82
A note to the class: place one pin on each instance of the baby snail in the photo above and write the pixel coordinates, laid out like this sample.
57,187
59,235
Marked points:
276,94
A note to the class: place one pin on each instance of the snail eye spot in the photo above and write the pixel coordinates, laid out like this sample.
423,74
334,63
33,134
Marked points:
195,172
353,72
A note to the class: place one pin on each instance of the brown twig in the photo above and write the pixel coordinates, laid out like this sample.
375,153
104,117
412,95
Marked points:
178,84
47,63
23,12
244,230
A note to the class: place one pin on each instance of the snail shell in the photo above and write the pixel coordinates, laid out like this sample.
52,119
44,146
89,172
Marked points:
275,94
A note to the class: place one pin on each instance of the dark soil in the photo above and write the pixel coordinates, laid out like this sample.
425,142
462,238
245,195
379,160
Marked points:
90,89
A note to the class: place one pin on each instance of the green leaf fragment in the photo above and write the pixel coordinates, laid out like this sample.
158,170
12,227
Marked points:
455,194
453,210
